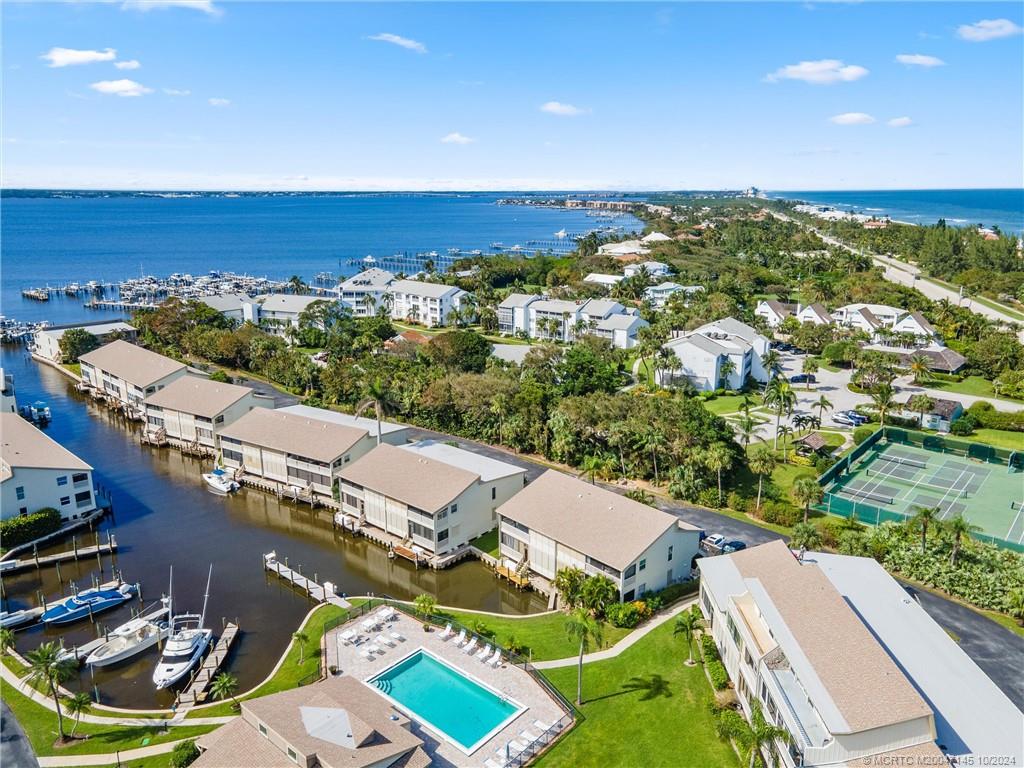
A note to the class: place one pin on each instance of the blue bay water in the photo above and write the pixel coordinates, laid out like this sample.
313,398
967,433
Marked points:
59,240
1003,208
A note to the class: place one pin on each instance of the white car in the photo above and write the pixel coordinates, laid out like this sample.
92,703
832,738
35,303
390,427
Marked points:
714,541
842,418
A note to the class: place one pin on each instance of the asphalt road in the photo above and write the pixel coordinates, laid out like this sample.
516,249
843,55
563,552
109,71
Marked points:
15,750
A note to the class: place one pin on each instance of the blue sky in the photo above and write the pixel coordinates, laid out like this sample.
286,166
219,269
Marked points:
503,96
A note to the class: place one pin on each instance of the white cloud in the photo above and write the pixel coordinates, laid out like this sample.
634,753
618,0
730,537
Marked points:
456,138
852,118
177,91
401,42
69,57
900,122
205,6
121,88
216,101
560,108
988,29
919,60
822,72
130,64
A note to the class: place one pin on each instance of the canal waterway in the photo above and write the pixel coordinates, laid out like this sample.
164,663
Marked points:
164,516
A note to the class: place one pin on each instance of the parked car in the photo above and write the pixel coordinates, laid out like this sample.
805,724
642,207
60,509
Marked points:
845,420
714,541
733,546
860,418
803,378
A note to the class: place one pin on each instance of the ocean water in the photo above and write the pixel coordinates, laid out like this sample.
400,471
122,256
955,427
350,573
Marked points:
1003,208
54,240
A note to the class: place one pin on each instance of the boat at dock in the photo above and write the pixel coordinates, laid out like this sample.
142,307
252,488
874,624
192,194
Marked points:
186,643
220,481
133,637
10,619
87,603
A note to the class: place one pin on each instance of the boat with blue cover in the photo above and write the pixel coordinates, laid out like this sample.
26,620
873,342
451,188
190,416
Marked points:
87,603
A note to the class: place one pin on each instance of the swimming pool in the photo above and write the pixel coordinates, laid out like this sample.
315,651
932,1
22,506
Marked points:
458,708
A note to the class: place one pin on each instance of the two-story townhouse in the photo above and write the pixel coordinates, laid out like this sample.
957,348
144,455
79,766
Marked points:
429,304
193,410
128,374
365,292
721,354
46,341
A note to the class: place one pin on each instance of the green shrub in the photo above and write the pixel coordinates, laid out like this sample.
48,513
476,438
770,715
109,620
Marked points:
708,649
482,629
823,464
985,415
674,592
862,433
719,677
963,426
709,498
184,754
654,602
736,500
19,530
779,513
220,376
627,615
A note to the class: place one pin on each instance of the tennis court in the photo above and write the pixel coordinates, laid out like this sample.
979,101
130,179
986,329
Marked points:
890,480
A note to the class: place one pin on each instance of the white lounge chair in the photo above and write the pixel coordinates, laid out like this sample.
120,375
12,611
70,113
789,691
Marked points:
447,632
495,660
397,636
365,653
543,727
374,648
385,641
470,646
491,763
484,653
461,639
517,746
529,736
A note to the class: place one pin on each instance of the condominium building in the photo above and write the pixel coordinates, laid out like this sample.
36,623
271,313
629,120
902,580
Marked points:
833,650
365,292
430,304
563,320
128,373
430,494
721,354
37,472
650,268
560,521
658,295
291,451
193,410
276,312
390,432
882,323
46,341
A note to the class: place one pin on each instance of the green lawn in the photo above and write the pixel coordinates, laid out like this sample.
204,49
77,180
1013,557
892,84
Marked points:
75,368
730,403
40,726
997,437
487,543
643,707
971,385
542,637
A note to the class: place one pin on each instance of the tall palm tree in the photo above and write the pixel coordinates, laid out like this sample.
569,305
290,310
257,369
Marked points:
785,432
760,734
301,638
770,360
923,518
223,686
377,396
591,465
779,395
921,404
762,462
958,529
45,668
725,370
821,404
807,491
686,624
297,284
78,704
653,439
810,367
746,426
585,630
718,457
884,400
920,367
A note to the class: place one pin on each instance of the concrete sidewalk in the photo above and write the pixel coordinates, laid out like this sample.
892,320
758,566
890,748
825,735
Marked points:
109,758
627,642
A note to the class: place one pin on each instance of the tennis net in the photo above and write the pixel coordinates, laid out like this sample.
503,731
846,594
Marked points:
898,460
870,495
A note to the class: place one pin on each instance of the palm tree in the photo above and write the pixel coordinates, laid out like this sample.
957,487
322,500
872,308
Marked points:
78,704
653,439
746,426
920,367
301,638
809,367
223,686
883,399
297,284
716,458
591,465
779,395
6,640
806,491
760,734
805,536
725,370
377,396
924,517
785,432
770,360
45,668
821,404
762,462
687,623
585,630
921,404
958,529
426,606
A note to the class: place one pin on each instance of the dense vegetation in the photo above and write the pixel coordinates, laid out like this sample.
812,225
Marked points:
16,531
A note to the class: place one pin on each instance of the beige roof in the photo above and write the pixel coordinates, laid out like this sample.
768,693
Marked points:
865,684
134,364
198,396
24,446
312,438
409,477
338,721
597,522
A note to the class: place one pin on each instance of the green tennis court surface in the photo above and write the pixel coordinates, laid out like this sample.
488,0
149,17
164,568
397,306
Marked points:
891,480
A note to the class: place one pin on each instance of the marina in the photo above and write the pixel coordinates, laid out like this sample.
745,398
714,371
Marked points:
196,689
97,550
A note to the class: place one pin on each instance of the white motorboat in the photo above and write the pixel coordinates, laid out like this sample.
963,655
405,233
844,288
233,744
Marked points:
220,481
133,637
17,618
186,643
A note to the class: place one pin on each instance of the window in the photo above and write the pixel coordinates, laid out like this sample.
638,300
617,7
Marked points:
83,499
442,514
79,477
65,500
628,597
156,421
455,508
494,493
20,492
670,553
442,536
630,572
643,564
23,511
263,729
206,433
292,756
233,455
219,419
734,631
62,480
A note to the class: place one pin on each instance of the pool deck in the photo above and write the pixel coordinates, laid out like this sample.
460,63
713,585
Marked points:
511,681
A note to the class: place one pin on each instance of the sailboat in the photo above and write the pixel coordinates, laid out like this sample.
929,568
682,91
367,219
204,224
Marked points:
135,636
185,646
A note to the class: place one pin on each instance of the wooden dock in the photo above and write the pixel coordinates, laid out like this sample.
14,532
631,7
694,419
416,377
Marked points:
196,690
75,553
320,593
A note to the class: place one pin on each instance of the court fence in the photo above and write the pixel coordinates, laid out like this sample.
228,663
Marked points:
870,514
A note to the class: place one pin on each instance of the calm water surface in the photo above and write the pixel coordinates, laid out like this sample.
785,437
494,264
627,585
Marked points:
163,516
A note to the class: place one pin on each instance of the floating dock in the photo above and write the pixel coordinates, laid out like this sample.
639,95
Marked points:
76,553
321,593
196,690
